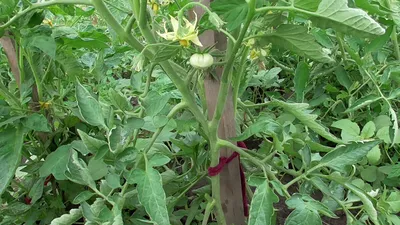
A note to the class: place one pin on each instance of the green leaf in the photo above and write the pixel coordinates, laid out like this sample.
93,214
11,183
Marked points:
336,14
89,107
310,5
383,134
300,80
299,110
368,130
368,206
113,180
322,37
36,122
369,173
154,103
263,125
36,191
11,141
232,11
6,9
151,194
303,216
93,145
68,219
372,8
394,201
382,121
134,123
262,208
88,213
362,102
395,171
343,77
97,168
379,42
374,155
46,44
119,100
350,154
80,147
158,160
78,172
56,163
164,52
296,38
350,130
117,139
83,196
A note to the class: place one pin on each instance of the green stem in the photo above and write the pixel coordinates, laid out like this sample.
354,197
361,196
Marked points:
341,45
238,78
395,42
142,13
42,5
190,186
284,67
207,212
185,91
143,95
35,75
302,176
129,26
230,145
191,5
226,74
229,35
171,114
215,180
187,94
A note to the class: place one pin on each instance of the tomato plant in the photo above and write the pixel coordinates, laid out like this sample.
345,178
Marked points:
115,112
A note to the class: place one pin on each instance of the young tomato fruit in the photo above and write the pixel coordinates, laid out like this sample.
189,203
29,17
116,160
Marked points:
201,61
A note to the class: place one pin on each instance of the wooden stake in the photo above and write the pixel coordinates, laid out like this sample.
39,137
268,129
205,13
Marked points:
231,197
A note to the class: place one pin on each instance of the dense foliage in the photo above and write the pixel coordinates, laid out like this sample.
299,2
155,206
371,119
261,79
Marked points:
103,112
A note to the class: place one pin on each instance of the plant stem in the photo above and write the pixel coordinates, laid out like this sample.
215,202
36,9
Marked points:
35,75
171,114
42,5
129,26
207,212
226,74
191,5
215,180
238,78
395,43
142,13
341,45
302,176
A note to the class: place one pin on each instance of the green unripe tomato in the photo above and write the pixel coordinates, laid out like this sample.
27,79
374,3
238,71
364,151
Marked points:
201,61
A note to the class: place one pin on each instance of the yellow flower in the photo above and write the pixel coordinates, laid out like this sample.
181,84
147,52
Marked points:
49,22
45,105
183,34
154,6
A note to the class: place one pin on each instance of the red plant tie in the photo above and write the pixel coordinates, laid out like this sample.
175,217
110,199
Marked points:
213,171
